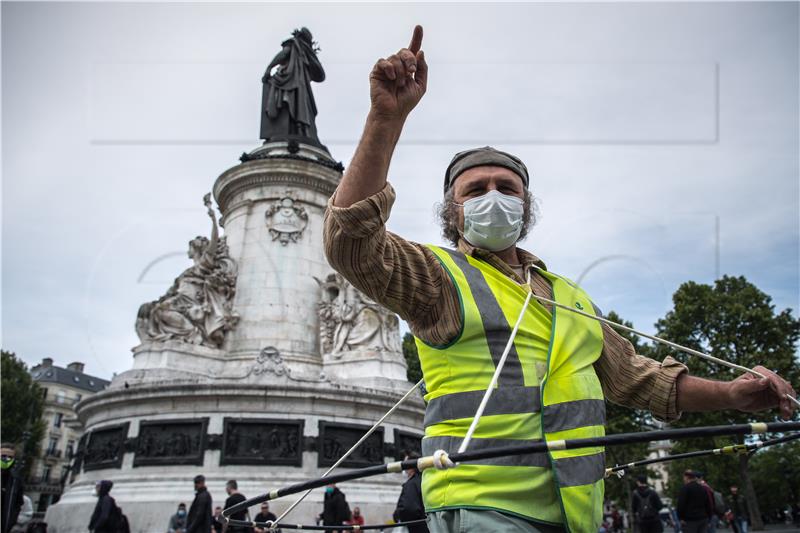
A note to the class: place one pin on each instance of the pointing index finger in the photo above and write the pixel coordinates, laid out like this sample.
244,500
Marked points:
416,40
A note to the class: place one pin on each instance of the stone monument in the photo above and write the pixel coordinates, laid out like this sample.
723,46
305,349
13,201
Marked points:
259,363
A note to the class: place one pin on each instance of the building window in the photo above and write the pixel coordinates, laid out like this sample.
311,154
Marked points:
70,448
44,393
46,474
78,398
51,448
60,396
57,420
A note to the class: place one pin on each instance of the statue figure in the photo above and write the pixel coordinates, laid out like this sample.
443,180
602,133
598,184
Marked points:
349,321
198,308
287,106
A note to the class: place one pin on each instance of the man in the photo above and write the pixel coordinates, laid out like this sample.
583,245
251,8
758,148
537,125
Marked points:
216,520
713,518
694,508
335,510
177,522
409,504
357,519
234,497
106,518
12,500
461,306
646,507
264,516
741,515
200,512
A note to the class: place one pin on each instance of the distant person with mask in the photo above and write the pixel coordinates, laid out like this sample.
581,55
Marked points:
409,504
177,523
106,515
335,510
12,501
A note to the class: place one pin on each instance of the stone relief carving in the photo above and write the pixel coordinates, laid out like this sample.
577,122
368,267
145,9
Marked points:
104,448
270,361
253,441
286,220
336,439
198,308
350,321
170,442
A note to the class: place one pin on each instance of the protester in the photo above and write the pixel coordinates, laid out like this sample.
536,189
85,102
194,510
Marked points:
356,519
741,515
12,500
265,516
409,504
177,523
234,497
106,517
694,507
216,523
646,507
335,510
200,518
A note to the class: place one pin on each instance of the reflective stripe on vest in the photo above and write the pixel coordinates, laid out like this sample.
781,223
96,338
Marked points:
550,365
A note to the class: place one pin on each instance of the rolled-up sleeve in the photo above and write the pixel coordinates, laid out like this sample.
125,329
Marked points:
636,381
401,275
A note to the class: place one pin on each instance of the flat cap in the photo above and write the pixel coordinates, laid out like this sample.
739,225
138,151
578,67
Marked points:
481,157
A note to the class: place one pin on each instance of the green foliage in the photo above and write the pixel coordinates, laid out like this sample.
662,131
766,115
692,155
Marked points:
414,372
22,406
735,321
776,476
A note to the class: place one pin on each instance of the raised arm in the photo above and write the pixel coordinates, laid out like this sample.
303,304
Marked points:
397,83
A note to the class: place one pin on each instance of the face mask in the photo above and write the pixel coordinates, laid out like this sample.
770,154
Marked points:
6,462
405,474
493,221
181,513
329,490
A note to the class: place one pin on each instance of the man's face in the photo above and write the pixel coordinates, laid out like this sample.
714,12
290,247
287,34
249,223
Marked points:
217,511
477,181
7,457
264,508
734,490
228,489
199,485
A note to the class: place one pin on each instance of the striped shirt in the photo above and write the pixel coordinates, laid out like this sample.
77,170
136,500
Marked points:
405,277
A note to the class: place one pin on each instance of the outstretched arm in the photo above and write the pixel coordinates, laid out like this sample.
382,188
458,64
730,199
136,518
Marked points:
397,83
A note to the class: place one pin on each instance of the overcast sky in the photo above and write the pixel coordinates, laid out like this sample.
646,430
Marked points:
641,123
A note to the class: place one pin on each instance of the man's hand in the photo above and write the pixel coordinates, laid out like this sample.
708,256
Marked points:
398,82
751,393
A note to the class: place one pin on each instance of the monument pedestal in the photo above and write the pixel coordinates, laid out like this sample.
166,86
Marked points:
260,364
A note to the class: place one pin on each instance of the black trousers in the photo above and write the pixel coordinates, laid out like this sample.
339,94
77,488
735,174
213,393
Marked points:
695,526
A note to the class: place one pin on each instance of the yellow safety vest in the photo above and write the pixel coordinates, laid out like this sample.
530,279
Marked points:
547,390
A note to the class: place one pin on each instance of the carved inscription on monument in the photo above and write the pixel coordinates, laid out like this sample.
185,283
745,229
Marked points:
105,447
405,442
335,439
171,442
260,441
286,220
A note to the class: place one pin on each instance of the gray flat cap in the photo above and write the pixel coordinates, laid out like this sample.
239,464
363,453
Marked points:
481,157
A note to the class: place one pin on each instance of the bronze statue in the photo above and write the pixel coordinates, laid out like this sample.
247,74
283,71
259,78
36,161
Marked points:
287,106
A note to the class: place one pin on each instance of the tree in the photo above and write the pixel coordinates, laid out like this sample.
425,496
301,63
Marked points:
414,372
735,321
22,404
776,476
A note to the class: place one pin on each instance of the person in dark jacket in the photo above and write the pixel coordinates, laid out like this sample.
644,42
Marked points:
12,487
646,507
200,512
694,508
741,515
104,518
409,504
335,510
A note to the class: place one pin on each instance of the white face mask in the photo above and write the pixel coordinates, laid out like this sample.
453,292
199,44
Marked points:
493,221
